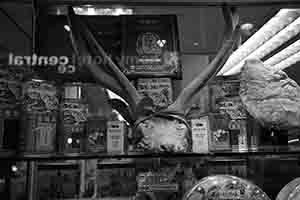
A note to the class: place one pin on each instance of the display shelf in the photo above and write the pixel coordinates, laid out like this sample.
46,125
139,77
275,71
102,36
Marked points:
84,156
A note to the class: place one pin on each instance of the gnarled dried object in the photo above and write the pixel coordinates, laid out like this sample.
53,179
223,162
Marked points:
167,130
269,96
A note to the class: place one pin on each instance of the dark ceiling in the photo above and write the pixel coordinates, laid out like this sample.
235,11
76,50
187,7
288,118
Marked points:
200,28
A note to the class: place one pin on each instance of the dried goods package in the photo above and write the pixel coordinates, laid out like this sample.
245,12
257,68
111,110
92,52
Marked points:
269,96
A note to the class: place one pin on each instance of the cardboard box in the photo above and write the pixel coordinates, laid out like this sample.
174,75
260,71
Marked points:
159,90
116,137
200,135
219,137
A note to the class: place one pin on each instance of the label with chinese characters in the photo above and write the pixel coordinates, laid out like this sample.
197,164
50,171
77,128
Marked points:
116,137
200,135
159,90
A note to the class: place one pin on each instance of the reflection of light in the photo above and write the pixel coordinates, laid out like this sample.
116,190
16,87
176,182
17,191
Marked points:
70,140
247,26
14,168
119,11
196,43
120,118
37,80
112,95
67,28
161,43
294,140
91,11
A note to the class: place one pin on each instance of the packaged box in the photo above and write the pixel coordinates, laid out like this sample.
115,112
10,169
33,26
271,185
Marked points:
96,134
220,89
204,100
219,137
116,137
232,106
159,90
239,135
200,135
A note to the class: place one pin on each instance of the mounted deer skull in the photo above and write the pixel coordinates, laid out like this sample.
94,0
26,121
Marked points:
166,130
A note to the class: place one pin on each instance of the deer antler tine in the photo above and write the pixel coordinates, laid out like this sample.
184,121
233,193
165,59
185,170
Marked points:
101,76
123,81
115,80
231,37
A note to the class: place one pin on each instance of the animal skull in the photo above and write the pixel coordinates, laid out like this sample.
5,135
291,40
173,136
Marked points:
166,130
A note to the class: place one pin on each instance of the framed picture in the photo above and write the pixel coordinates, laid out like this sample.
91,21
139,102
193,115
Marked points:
151,46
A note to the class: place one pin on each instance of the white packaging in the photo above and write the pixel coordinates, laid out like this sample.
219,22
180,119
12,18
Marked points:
115,137
200,131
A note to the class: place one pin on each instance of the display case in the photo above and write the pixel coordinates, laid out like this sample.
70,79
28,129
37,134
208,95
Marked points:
102,100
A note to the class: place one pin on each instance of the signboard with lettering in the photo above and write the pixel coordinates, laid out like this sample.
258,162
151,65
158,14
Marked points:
150,46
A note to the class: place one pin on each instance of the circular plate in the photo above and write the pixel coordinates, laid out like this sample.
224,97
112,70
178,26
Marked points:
291,191
224,187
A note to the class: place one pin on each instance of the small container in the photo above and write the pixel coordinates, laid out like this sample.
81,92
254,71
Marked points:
39,117
219,137
239,135
96,134
73,91
73,115
116,137
39,96
38,133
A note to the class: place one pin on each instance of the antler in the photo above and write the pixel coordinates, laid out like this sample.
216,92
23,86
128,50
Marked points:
110,77
232,35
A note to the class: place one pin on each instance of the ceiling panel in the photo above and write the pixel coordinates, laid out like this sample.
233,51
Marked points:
200,28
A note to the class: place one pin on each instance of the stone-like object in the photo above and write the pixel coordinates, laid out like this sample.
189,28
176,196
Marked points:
270,96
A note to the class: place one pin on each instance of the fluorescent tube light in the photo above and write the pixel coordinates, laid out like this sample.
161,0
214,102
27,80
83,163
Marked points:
284,54
287,62
279,29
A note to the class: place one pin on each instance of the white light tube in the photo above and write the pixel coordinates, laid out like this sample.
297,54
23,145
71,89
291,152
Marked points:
283,36
281,21
287,62
283,54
